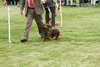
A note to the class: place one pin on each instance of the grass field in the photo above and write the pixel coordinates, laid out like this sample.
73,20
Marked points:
78,46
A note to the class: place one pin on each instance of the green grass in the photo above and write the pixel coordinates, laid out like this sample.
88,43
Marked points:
78,46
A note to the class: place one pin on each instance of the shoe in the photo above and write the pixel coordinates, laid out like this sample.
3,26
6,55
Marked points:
23,40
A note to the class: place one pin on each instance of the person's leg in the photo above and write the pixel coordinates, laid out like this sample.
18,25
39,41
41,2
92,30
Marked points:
65,2
12,2
53,15
28,24
47,15
83,2
16,2
94,3
8,2
38,19
4,2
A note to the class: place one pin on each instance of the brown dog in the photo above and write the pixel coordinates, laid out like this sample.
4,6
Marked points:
49,33
55,33
46,32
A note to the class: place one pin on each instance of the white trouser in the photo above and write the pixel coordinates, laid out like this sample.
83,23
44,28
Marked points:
93,2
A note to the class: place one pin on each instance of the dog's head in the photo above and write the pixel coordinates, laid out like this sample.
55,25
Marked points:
46,27
46,31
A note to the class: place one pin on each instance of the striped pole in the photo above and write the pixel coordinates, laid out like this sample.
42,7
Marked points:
9,33
61,14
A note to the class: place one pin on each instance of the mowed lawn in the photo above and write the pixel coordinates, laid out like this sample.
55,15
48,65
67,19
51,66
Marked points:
77,46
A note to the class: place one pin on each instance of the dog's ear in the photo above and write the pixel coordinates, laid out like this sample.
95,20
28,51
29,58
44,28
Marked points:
42,25
49,26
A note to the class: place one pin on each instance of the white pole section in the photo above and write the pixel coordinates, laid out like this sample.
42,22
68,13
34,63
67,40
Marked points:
9,33
71,2
61,14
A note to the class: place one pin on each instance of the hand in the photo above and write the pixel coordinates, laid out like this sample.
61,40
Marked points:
43,1
21,11
4,3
